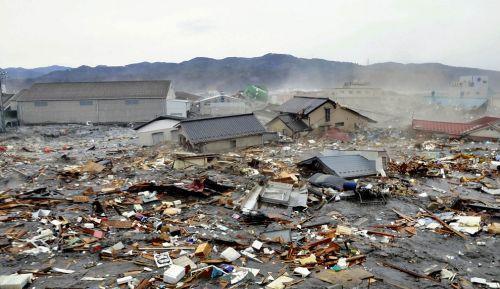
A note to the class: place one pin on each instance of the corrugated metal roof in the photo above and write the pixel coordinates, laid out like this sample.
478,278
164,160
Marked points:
303,104
352,166
223,127
96,90
293,123
450,128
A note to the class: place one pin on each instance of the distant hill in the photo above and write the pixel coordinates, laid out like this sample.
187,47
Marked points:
274,71
24,73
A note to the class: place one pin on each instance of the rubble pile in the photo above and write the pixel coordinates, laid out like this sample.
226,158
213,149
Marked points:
86,207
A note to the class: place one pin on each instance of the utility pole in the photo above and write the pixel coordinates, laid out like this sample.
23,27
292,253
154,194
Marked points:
2,116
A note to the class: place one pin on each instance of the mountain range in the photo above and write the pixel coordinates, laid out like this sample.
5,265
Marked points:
274,71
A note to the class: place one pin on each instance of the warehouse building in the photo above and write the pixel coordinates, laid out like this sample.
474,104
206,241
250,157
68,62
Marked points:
96,102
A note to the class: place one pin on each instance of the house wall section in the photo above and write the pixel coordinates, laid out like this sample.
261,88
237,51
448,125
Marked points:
317,119
339,117
351,121
146,138
278,126
99,111
225,145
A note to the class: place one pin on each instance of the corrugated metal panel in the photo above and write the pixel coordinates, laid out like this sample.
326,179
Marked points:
219,128
96,90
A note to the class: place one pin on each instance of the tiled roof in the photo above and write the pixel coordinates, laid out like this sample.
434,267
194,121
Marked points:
96,90
293,123
223,127
303,104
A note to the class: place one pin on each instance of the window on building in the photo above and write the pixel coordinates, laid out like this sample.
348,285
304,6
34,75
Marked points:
131,101
339,124
86,102
41,103
158,137
327,114
232,143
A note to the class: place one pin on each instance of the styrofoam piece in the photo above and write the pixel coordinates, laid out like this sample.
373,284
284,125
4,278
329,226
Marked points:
230,254
124,280
15,281
257,245
173,274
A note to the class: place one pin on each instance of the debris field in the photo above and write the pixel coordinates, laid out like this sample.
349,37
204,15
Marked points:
86,207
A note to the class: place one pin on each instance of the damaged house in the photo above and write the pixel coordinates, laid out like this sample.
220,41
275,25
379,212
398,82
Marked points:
97,102
302,114
222,133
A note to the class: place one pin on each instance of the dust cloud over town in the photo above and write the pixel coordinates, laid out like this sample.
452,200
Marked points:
237,144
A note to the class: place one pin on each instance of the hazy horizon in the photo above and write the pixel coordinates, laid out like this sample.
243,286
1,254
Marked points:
116,33
362,64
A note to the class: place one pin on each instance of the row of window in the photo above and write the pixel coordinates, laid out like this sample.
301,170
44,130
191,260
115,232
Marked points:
357,91
41,103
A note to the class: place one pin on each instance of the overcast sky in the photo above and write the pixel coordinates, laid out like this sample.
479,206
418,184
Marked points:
117,32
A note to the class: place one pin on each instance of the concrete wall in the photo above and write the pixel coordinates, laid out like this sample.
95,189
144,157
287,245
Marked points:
99,111
225,145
